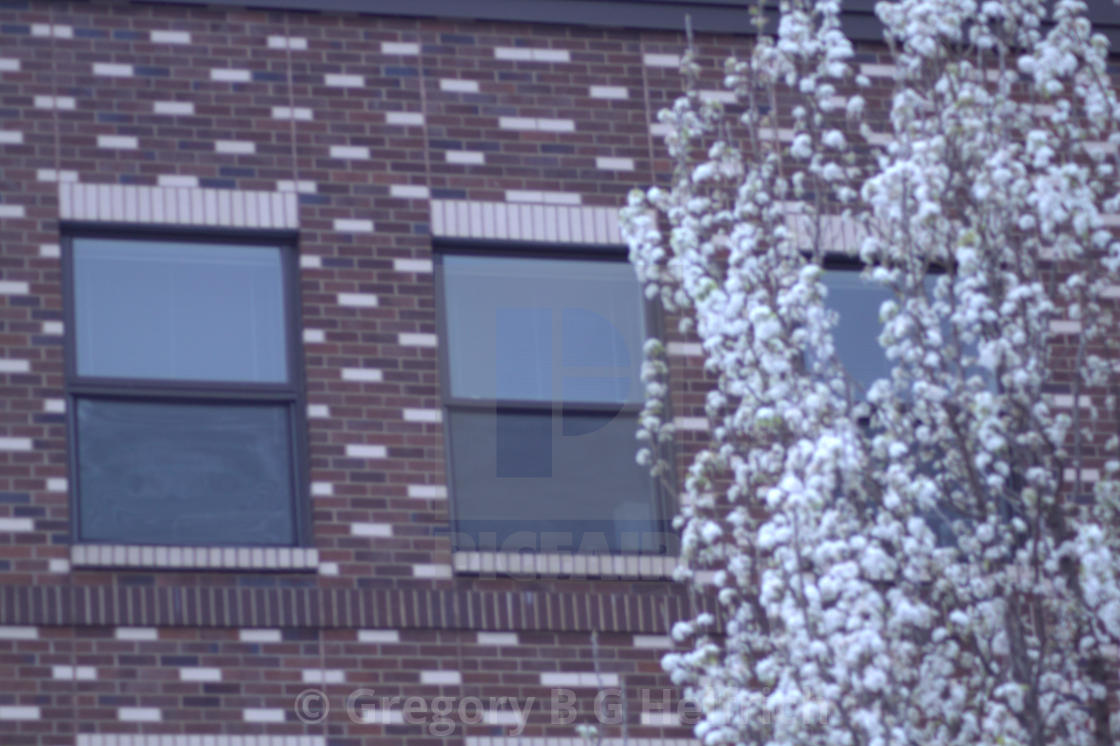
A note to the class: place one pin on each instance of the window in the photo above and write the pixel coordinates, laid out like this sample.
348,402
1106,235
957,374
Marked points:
184,395
542,390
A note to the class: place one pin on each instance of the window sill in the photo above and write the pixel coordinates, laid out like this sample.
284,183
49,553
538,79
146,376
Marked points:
620,566
289,559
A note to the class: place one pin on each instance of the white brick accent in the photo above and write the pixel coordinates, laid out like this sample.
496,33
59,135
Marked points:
298,113
58,565
57,31
112,70
408,191
337,80
539,124
12,211
50,251
724,97
54,406
406,339
118,142
360,300
455,85
582,679
1065,326
19,712
525,222
139,714
14,366
441,678
501,717
422,415
11,137
663,719
367,375
323,676
235,147
171,37
9,65
50,174
319,411
57,484
322,489
190,557
297,43
616,565
371,530
229,75
177,181
366,450
353,152
17,287
527,54
74,673
608,91
427,491
685,349
1087,475
657,642
606,163
192,673
302,186
661,60
465,157
16,524
169,206
262,715
497,638
62,103
259,635
314,336
431,571
695,424
375,716
405,118
379,635
412,265
328,568
136,633
400,47
353,225
547,198
872,70
19,633
15,444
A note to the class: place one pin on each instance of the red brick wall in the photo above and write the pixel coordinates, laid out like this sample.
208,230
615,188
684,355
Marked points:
597,102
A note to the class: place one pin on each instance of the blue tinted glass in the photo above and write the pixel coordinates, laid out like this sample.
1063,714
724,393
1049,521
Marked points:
164,310
156,473
856,334
543,329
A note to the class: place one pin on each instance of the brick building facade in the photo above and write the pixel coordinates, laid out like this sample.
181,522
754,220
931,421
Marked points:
358,151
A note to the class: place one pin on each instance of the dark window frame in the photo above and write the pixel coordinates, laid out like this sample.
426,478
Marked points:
660,499
292,394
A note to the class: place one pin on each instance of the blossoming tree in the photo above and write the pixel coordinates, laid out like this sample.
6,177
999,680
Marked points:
931,557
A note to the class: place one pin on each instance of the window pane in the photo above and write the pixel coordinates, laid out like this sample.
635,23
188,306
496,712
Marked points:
534,481
543,329
159,473
166,310
856,335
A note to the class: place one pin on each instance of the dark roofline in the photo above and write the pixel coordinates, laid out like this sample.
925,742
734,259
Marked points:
716,16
